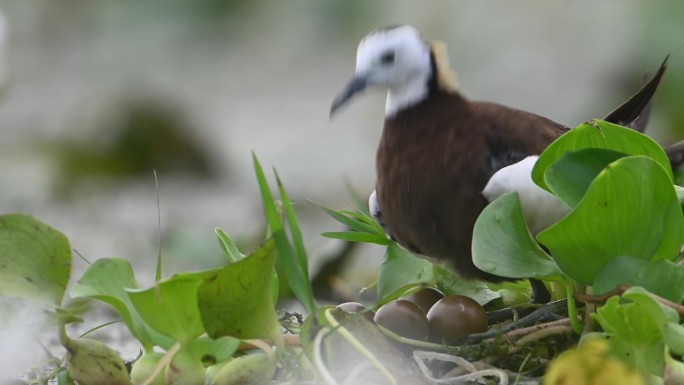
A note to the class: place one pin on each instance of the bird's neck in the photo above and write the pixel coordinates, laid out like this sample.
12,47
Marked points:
407,95
421,86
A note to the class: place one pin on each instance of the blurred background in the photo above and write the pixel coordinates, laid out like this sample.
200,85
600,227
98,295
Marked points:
97,94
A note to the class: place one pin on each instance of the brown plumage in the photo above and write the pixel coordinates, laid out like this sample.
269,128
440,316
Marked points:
430,181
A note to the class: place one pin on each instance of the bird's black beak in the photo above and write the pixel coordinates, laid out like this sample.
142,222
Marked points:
356,85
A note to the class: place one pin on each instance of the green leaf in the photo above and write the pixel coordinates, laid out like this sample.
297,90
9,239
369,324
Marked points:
170,306
106,280
288,261
228,246
401,270
451,283
236,300
570,176
635,331
363,228
599,134
660,312
35,260
355,236
503,245
233,254
674,337
512,294
356,221
212,351
630,209
680,194
300,260
664,278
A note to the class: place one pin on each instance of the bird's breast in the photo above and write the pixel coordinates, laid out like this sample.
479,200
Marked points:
429,181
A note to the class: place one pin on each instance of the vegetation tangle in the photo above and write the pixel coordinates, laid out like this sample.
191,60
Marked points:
612,263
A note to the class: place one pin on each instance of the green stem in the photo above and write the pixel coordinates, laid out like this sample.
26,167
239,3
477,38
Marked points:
346,334
572,306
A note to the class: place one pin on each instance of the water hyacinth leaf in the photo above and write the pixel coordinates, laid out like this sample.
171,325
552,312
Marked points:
170,306
636,336
452,284
570,176
674,337
645,223
660,312
663,277
185,368
106,280
35,260
236,301
503,245
600,134
212,350
253,368
233,254
401,270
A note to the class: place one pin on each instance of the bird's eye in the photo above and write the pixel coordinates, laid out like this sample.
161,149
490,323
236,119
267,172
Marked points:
387,58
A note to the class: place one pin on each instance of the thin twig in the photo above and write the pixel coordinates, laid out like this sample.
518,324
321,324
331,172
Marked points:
602,298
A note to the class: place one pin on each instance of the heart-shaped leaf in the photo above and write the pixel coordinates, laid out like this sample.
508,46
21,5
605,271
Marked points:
570,176
503,245
629,209
171,305
106,280
599,134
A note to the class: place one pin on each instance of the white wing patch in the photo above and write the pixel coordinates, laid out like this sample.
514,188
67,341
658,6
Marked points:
540,208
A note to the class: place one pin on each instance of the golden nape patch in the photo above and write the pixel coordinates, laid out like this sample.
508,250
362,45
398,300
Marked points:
446,78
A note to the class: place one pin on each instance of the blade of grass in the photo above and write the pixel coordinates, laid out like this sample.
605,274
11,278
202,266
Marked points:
295,231
158,270
349,222
302,262
287,261
353,236
357,221
364,218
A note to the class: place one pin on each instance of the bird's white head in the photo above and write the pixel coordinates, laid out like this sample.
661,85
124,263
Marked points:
397,58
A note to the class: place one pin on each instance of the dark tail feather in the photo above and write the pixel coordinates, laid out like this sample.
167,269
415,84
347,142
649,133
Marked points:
634,112
675,153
